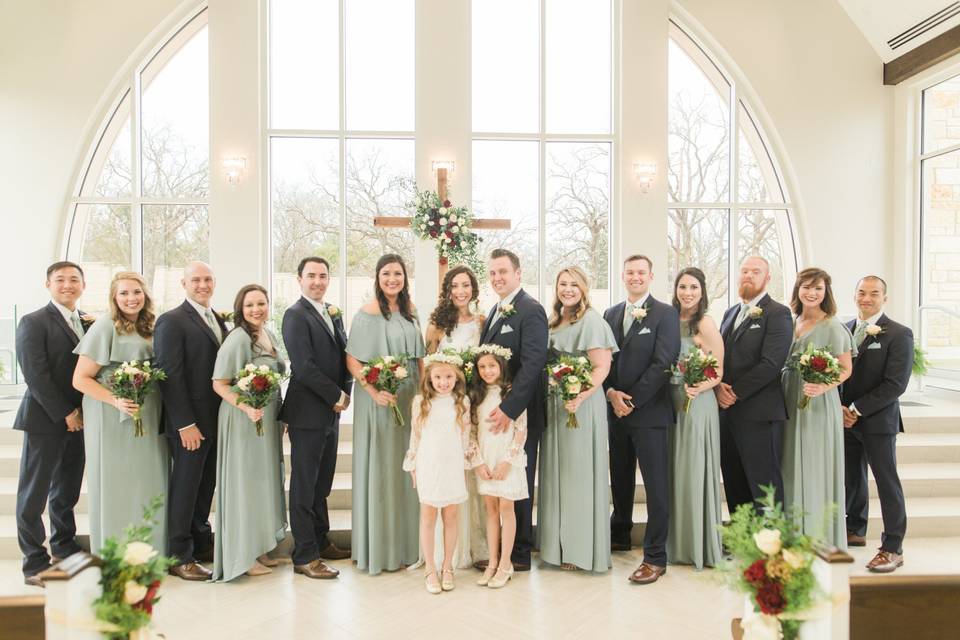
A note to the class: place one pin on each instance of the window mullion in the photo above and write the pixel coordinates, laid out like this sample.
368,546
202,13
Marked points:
733,219
136,173
342,53
542,213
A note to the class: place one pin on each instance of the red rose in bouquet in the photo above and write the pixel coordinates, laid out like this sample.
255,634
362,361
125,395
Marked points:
770,598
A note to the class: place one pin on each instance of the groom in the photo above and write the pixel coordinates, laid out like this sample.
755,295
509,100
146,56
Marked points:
519,323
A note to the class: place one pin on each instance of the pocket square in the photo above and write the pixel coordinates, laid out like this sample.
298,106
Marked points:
874,345
643,331
754,326
506,329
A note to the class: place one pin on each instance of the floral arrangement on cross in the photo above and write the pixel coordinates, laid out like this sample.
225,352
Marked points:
449,228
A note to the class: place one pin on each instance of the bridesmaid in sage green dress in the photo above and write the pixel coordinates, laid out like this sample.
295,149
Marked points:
573,512
695,512
813,473
386,510
124,472
251,515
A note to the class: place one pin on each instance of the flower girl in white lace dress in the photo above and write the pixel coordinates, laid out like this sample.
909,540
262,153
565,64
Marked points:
439,453
499,463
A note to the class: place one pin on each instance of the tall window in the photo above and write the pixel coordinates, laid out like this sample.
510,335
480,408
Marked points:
340,135
543,135
142,200
940,223
726,199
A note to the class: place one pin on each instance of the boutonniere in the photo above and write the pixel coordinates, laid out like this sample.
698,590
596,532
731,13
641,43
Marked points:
86,320
226,316
754,312
507,310
873,330
639,313
333,311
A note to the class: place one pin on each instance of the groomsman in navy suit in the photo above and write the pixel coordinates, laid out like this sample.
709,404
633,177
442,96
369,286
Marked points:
519,323
185,341
757,334
648,335
871,415
319,391
50,416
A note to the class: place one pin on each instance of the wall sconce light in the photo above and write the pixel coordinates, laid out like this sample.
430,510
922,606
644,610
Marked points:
645,172
233,167
443,164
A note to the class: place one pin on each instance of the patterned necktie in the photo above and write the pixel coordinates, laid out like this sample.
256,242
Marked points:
744,308
212,323
76,324
861,333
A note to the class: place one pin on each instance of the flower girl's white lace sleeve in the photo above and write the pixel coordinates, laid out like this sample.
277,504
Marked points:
471,447
515,453
410,460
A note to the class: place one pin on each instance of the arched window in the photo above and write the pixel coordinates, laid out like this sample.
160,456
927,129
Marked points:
142,197
726,197
340,136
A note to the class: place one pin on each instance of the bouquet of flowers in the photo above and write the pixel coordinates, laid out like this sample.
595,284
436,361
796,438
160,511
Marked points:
468,357
387,373
816,366
771,563
695,368
568,375
131,574
256,386
134,381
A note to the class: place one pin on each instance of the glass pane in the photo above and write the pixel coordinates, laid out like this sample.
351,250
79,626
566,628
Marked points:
578,209
379,66
578,59
305,64
699,126
756,176
380,182
506,62
176,117
109,173
305,213
173,235
506,184
941,115
940,258
698,238
100,243
762,232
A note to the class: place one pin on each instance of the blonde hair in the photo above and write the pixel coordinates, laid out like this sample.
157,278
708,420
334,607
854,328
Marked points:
144,322
580,279
428,393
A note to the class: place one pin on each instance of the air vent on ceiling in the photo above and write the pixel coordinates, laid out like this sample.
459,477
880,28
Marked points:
925,25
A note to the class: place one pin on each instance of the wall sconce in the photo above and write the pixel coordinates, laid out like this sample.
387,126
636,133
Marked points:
233,167
645,172
443,164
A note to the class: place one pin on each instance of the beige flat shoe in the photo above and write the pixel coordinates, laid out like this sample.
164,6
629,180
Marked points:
433,587
258,570
447,584
487,575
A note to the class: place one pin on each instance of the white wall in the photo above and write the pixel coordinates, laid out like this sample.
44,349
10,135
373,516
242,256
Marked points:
821,85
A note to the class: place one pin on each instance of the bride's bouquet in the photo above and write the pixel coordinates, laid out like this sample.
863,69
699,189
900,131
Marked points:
134,381
568,376
387,373
256,387
816,366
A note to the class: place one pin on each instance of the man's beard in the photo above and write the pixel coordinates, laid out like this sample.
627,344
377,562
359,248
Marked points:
748,291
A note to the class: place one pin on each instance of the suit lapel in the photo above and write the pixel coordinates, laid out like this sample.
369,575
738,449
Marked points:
727,324
618,314
193,315
869,339
495,327
637,325
313,313
60,322
739,331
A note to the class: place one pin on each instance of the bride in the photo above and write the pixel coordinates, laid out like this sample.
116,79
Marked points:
454,323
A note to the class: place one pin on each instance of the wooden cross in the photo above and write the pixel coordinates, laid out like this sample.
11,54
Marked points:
403,222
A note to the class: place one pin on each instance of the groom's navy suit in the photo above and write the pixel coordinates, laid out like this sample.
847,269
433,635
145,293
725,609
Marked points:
51,465
186,349
751,430
525,334
881,373
641,369
318,376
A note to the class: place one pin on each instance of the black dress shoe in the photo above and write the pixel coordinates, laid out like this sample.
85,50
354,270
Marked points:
620,546
481,565
34,581
521,566
333,552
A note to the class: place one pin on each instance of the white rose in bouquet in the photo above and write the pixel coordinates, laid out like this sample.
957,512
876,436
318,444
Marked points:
138,553
133,592
768,541
401,373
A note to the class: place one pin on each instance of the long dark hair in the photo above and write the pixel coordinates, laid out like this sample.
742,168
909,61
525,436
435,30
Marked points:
478,388
701,310
403,298
446,314
811,275
239,322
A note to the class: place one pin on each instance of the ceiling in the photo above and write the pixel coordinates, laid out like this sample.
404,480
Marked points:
894,27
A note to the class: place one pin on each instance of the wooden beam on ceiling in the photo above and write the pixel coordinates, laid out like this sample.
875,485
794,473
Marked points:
923,57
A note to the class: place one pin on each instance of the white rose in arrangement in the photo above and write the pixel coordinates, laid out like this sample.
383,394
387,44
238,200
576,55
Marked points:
387,359
401,373
244,383
874,329
805,359
454,228
443,221
423,227
443,212
794,559
138,553
574,386
468,365
582,359
453,217
133,592
768,541
263,368
251,367
146,363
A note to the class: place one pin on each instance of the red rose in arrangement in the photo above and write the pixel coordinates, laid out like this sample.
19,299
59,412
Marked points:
770,598
682,366
755,573
373,376
446,203
818,363
710,372
147,603
559,373
260,384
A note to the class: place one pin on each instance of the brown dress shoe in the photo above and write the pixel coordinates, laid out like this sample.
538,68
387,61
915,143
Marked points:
191,571
34,581
885,562
647,574
853,540
333,552
317,570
